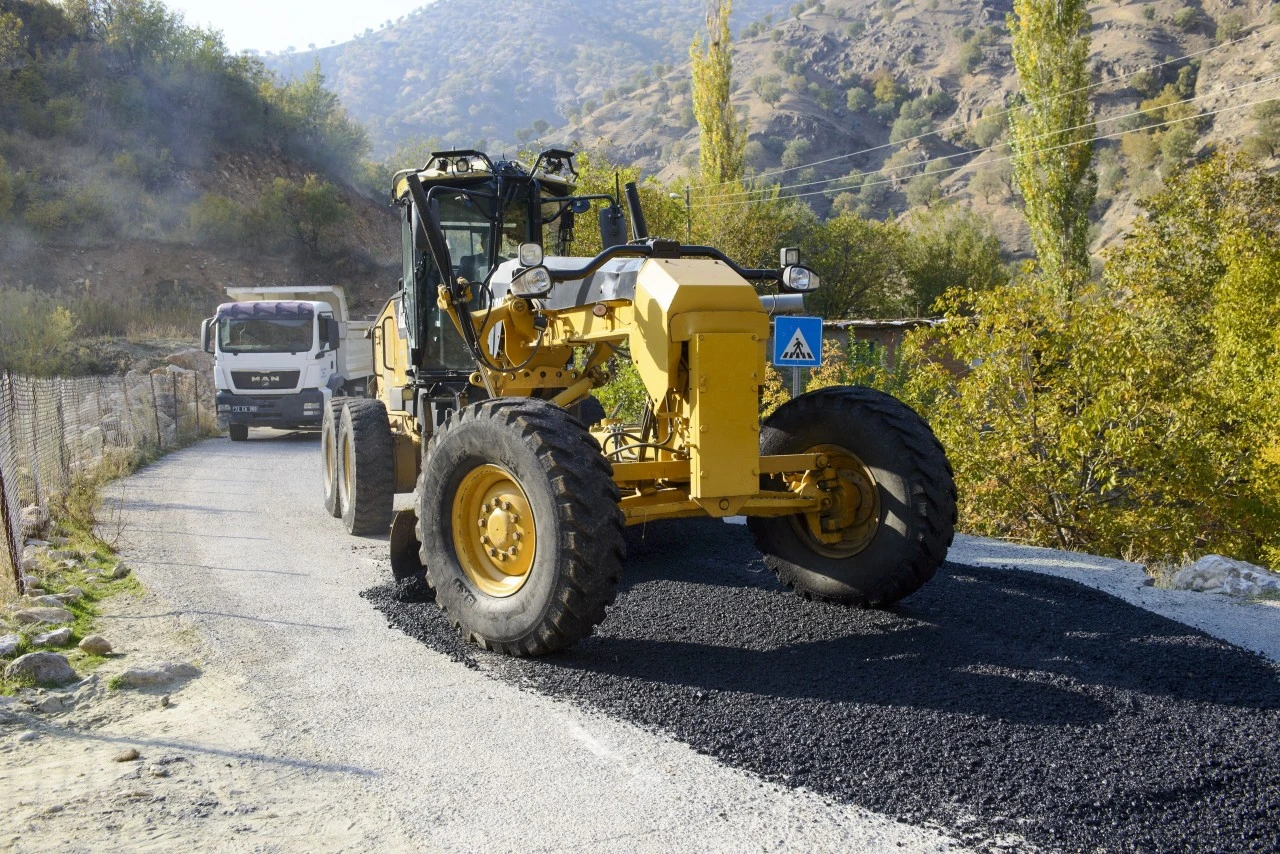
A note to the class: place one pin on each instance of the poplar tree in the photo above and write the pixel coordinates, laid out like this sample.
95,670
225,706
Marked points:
723,136
1050,130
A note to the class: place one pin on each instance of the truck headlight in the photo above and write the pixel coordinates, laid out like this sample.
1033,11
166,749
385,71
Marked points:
532,282
799,280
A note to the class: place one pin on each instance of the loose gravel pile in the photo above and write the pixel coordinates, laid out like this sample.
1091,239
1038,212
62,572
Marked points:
1002,705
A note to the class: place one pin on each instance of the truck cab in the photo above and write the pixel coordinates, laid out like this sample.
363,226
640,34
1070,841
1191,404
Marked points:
279,358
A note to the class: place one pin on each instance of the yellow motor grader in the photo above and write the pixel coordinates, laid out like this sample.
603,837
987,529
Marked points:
485,361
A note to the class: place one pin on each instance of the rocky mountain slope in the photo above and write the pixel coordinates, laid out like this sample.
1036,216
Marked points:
816,81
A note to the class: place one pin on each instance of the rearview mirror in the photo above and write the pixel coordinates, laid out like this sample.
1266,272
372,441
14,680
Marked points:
613,226
206,340
580,206
332,332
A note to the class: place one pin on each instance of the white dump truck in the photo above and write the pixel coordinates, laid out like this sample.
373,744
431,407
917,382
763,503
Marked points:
282,353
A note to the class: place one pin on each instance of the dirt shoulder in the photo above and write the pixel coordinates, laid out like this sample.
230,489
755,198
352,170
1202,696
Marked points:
204,771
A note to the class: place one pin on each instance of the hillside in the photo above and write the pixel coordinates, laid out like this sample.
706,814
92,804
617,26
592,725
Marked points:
473,71
817,81
143,169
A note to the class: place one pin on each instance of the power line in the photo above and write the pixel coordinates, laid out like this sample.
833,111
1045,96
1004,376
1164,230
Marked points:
976,151
1006,157
1008,110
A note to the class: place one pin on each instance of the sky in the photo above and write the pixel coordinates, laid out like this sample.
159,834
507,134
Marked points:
274,25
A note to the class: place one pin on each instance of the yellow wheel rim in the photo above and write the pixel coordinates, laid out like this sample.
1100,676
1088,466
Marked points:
348,452
850,514
330,452
493,530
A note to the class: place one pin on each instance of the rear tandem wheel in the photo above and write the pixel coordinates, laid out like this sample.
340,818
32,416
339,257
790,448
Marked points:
366,467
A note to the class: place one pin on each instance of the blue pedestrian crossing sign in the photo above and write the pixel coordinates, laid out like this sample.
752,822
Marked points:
797,342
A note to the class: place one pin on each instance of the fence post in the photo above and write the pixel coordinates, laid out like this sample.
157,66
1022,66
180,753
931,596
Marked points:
11,545
155,410
177,421
195,382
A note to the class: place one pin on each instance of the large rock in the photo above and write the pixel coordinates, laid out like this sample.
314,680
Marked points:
37,616
192,360
9,645
95,645
44,668
57,637
156,674
1218,574
34,521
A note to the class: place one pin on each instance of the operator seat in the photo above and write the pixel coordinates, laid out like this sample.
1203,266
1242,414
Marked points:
473,268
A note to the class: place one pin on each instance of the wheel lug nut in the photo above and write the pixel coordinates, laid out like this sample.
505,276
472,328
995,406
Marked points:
517,536
502,555
481,522
513,551
493,552
506,505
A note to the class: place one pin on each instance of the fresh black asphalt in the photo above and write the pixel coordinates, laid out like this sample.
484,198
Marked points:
998,704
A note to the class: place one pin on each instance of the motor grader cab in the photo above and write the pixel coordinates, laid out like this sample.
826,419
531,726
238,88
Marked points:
522,489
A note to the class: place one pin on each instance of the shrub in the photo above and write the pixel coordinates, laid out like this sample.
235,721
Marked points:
217,221
1142,418
858,100
795,153
1229,27
34,332
971,56
47,215
1186,19
6,190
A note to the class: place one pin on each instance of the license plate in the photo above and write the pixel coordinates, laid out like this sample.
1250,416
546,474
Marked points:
244,409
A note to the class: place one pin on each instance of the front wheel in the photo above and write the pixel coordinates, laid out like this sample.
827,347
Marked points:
889,498
520,527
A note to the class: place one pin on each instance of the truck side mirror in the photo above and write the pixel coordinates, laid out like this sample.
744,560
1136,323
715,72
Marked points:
206,340
333,332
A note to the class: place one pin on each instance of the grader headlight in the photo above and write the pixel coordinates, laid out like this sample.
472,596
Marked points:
531,282
799,280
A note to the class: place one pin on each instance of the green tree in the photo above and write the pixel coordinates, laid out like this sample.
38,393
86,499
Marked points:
948,247
722,134
858,260
1051,127
1141,418
13,42
308,212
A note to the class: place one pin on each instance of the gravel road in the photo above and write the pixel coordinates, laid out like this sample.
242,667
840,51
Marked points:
234,537
715,711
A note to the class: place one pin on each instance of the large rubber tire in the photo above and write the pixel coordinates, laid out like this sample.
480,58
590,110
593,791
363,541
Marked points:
916,493
366,467
577,524
329,457
238,432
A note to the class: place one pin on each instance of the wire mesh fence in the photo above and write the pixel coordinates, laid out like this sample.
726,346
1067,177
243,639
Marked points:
55,431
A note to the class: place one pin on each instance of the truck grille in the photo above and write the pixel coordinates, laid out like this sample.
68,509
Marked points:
265,379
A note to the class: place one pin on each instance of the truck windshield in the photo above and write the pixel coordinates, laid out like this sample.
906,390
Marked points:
263,335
